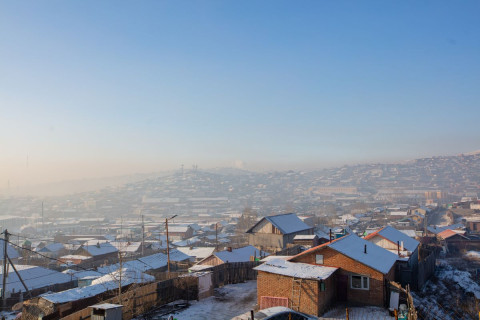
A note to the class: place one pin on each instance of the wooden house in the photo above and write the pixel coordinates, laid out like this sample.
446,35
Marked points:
273,233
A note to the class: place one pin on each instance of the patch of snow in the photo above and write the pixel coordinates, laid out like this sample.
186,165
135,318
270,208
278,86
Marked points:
296,269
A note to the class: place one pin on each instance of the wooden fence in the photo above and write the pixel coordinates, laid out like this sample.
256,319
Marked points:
138,300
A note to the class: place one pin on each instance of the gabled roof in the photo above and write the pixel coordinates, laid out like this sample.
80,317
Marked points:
297,270
286,223
353,247
34,277
449,233
100,248
438,229
393,235
240,255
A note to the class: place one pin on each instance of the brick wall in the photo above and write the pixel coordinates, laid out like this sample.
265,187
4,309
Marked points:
312,300
376,295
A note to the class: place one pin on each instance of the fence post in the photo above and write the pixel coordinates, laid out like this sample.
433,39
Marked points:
347,317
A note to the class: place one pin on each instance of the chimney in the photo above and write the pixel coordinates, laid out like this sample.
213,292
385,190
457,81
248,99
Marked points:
365,249
398,248
229,249
401,246
330,237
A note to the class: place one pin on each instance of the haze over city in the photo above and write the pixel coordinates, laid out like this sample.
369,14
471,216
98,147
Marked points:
96,89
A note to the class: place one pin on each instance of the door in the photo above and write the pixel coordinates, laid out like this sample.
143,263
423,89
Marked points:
342,283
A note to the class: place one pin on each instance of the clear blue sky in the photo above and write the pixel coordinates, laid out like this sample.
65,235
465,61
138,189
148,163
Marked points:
91,88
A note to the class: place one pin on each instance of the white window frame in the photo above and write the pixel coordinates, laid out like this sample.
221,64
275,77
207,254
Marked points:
316,258
362,277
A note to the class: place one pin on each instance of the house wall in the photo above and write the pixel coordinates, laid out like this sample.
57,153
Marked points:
266,240
312,300
211,261
376,295
381,242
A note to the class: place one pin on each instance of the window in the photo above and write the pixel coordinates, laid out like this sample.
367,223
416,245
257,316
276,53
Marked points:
319,259
359,282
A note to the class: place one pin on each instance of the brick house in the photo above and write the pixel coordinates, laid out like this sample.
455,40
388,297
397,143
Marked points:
303,287
273,233
364,269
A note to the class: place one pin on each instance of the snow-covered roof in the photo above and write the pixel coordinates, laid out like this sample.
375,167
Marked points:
155,261
198,252
286,223
304,237
126,246
74,257
410,233
240,254
353,247
393,235
34,277
272,257
11,252
178,228
99,248
126,276
83,274
297,270
99,286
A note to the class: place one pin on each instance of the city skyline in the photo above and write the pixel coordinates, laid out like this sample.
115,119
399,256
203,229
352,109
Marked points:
103,89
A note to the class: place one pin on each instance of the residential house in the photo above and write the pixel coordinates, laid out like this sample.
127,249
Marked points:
179,232
306,240
406,249
99,251
53,250
244,254
454,241
303,287
273,233
364,268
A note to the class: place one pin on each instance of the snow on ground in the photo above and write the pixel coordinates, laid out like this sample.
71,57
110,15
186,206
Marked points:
473,254
448,295
228,302
357,313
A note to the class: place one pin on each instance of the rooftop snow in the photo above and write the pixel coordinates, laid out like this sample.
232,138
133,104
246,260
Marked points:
240,255
99,249
395,236
34,277
198,253
155,261
99,287
298,270
304,237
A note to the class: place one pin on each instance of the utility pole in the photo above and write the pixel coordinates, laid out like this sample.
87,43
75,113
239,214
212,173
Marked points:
43,221
4,281
143,236
216,236
168,244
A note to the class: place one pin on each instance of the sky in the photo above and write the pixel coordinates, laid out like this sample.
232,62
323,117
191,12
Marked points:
103,88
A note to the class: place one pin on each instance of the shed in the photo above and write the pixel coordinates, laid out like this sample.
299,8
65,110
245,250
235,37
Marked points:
106,311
